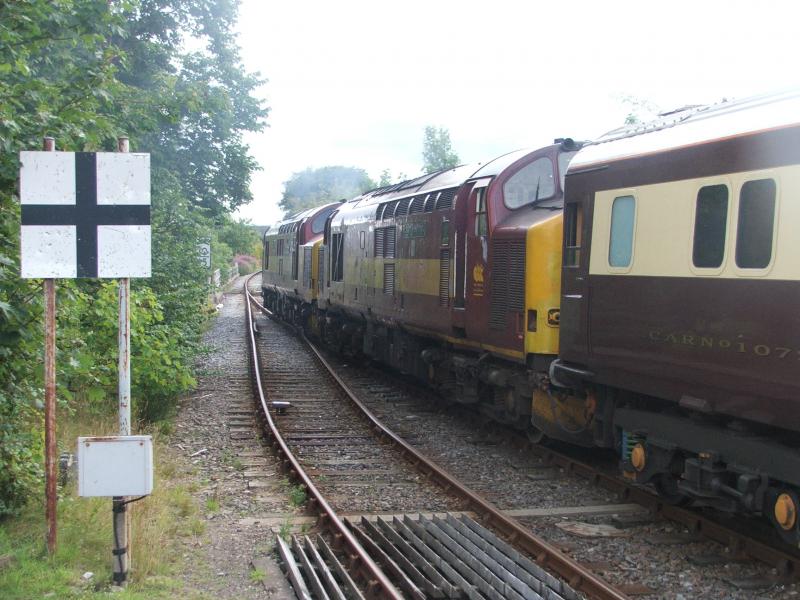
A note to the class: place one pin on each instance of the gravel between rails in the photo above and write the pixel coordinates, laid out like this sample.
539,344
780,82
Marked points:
655,554
351,467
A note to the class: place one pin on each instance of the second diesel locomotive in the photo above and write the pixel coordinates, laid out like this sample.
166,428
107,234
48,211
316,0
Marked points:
452,277
651,309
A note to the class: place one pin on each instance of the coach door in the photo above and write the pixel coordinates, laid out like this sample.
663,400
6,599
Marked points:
573,330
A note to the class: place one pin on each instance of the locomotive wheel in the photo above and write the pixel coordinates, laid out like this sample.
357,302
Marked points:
667,487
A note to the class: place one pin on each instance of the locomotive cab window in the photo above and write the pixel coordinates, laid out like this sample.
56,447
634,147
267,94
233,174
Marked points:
481,226
756,224
710,223
623,218
318,224
531,183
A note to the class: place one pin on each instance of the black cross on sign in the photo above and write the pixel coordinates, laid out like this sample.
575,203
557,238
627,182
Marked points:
86,215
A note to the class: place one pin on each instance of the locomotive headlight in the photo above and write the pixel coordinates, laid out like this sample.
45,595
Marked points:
638,457
554,317
785,511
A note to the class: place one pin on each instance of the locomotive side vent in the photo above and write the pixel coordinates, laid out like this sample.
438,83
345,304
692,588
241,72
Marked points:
307,268
417,204
508,281
402,207
391,242
388,278
379,237
444,277
430,202
445,200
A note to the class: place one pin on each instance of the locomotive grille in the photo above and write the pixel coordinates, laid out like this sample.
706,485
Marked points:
444,277
385,241
417,204
388,278
445,200
307,268
508,281
402,207
391,241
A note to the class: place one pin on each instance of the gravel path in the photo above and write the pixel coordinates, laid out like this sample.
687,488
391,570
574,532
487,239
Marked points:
235,480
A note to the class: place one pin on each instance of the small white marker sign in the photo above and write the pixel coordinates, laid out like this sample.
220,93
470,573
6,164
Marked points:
204,254
85,214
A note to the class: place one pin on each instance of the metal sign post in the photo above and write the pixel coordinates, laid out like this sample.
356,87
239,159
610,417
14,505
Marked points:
49,145
121,515
86,214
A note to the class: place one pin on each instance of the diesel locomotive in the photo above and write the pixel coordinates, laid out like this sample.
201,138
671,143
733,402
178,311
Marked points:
637,293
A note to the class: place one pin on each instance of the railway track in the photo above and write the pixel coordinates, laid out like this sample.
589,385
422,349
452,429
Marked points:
703,550
610,519
435,538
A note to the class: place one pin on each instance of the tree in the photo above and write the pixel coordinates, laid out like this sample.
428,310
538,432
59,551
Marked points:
639,110
197,104
86,71
388,179
315,187
437,151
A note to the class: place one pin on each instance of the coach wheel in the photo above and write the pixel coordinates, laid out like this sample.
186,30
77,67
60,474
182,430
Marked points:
535,435
784,515
666,485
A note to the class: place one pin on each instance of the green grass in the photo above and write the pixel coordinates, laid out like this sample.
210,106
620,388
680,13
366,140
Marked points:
285,530
212,504
159,524
297,496
257,575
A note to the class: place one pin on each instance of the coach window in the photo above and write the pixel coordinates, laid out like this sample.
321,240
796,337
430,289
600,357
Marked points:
756,224
710,223
531,183
481,227
620,248
573,225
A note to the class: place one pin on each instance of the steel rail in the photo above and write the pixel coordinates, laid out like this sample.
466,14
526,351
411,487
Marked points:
787,565
546,555
376,580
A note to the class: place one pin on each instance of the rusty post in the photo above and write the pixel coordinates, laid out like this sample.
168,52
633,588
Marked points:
122,523
49,145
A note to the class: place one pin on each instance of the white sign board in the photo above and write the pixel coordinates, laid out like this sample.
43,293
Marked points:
115,466
85,214
204,254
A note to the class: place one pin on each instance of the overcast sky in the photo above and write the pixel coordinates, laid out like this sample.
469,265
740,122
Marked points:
355,83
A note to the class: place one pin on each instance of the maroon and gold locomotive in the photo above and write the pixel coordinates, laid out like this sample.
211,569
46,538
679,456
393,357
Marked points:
651,309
